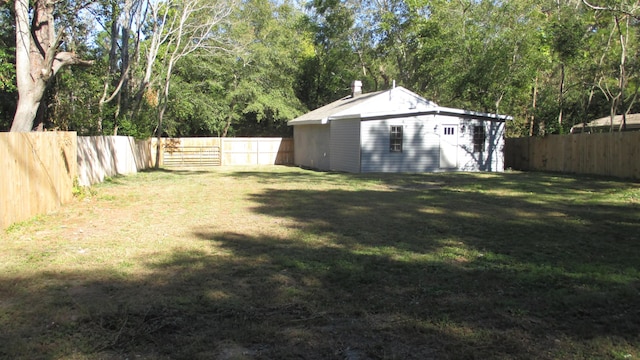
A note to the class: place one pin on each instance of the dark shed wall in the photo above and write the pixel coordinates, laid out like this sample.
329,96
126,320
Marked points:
421,152
311,146
345,145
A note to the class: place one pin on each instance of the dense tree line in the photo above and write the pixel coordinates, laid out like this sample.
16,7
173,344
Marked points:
245,67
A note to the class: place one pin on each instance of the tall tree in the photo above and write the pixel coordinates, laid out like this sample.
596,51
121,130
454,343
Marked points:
122,19
262,87
567,34
327,75
186,27
623,45
39,56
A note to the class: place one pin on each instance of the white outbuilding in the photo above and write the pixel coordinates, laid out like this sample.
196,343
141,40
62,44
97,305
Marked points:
397,130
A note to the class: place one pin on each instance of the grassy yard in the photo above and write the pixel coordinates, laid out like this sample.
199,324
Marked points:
283,263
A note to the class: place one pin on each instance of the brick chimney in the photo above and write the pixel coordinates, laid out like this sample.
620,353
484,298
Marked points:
356,88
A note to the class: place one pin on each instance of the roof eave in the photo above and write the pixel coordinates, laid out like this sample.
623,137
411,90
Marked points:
475,114
294,122
437,111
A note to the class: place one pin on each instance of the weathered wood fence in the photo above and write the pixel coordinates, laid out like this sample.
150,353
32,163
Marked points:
199,152
38,170
107,156
610,154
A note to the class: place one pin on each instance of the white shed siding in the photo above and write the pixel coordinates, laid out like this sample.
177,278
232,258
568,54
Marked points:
492,158
495,154
311,146
345,145
420,149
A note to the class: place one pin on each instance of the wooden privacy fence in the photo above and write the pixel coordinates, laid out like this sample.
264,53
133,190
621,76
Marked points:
37,171
200,152
257,151
611,154
189,152
107,156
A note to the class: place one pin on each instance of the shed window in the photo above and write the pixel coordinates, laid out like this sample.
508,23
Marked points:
478,139
395,143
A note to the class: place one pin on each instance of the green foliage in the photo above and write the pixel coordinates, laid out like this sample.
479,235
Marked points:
8,91
282,60
7,70
73,99
82,192
327,73
7,50
197,105
262,78
566,34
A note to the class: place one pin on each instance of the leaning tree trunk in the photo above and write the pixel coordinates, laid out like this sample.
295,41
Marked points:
37,59
30,85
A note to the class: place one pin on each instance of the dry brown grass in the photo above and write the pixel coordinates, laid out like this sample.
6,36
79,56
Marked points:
283,263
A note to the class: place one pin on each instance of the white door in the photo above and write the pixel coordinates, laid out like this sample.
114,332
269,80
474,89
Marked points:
449,146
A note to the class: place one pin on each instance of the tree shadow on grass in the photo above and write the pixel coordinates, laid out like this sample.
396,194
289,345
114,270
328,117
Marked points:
542,265
411,216
368,273
276,298
533,183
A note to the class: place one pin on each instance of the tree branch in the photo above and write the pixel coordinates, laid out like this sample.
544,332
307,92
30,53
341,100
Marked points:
68,58
607,8
50,57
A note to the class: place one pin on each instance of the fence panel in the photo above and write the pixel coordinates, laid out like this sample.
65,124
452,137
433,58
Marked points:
192,156
232,151
37,171
105,156
257,151
610,154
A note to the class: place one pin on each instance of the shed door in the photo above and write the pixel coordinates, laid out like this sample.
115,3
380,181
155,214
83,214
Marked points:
449,146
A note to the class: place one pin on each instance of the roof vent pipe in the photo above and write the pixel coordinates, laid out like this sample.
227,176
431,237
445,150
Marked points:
356,88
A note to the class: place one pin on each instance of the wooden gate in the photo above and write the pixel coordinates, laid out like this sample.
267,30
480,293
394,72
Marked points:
191,156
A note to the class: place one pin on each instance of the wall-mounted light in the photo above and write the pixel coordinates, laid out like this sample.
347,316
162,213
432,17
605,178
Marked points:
462,129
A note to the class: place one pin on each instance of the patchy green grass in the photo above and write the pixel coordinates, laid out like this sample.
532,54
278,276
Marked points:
283,263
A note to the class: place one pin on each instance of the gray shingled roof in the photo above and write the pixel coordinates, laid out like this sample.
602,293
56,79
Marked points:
633,122
349,107
323,113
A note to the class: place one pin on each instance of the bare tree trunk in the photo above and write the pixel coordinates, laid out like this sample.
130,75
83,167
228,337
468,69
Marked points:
627,12
159,134
622,81
37,59
164,100
123,94
534,106
30,86
185,32
112,65
158,37
498,103
561,95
